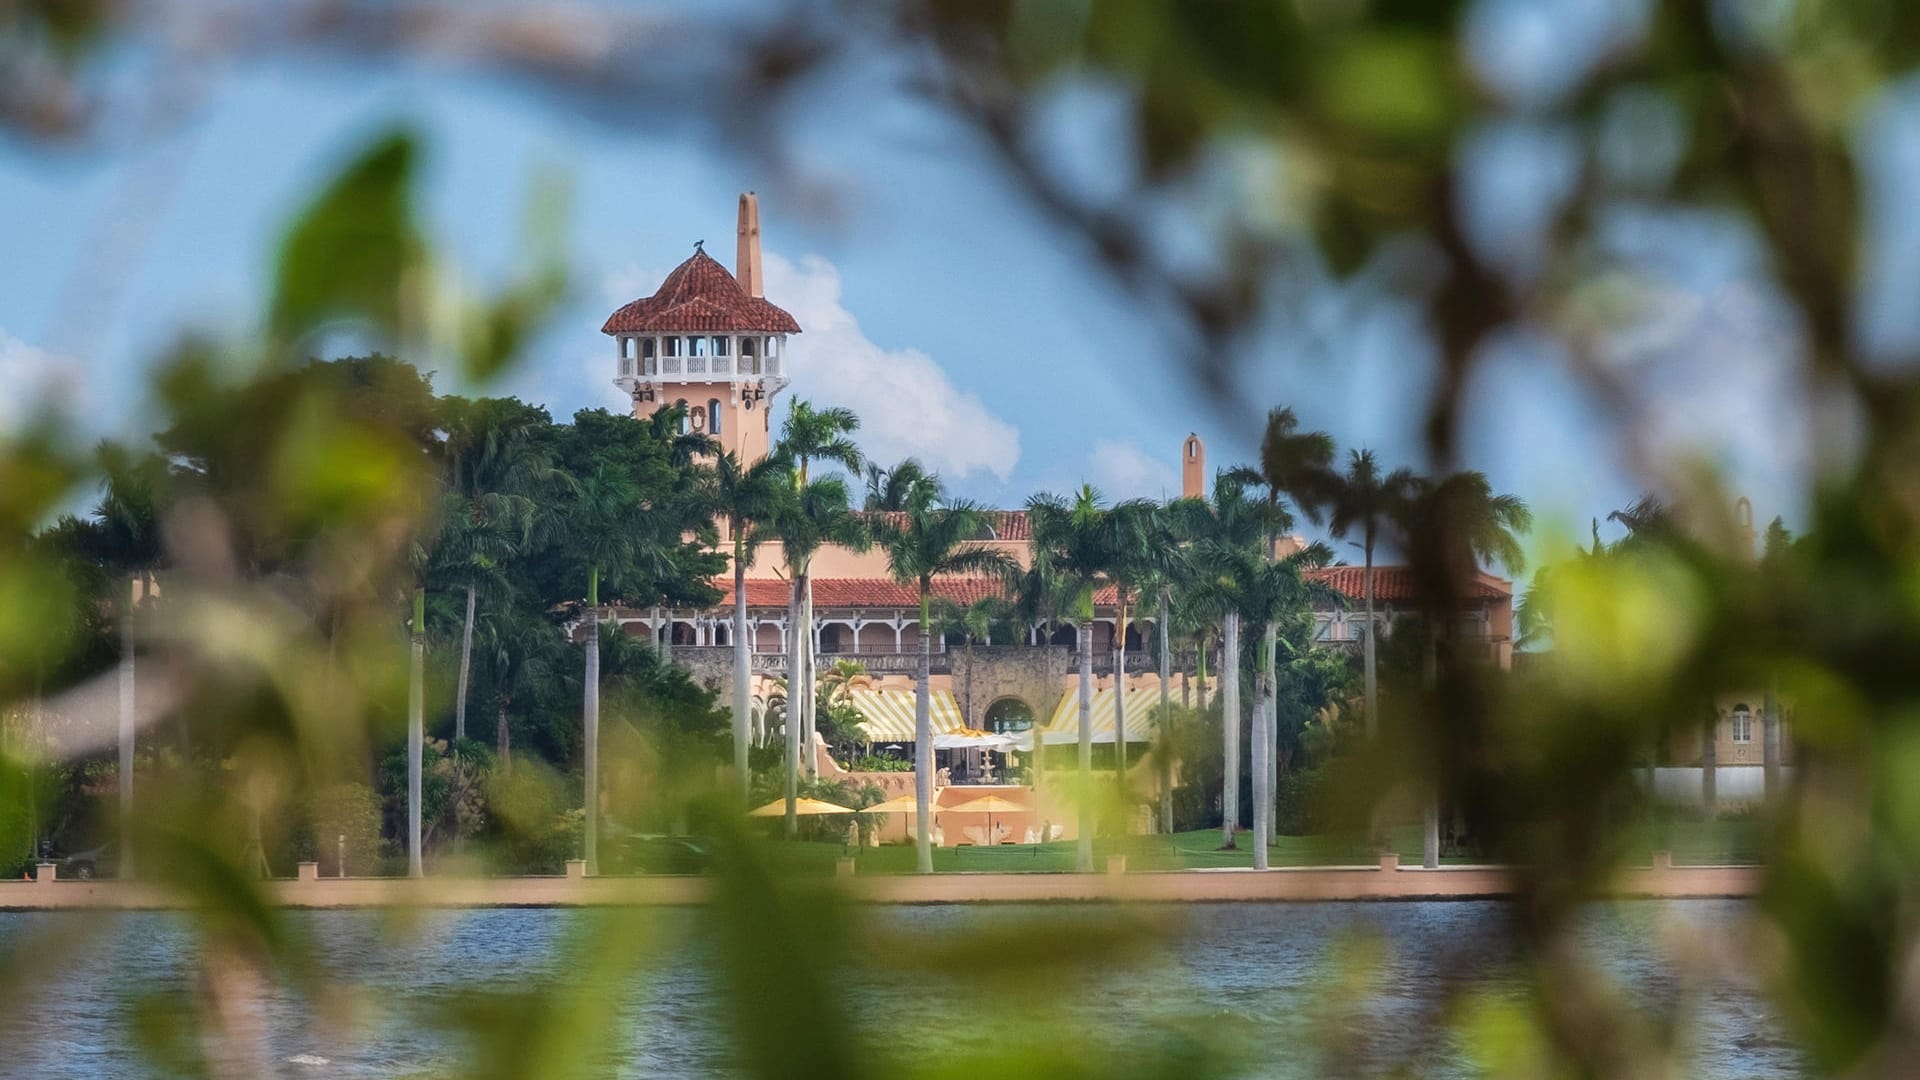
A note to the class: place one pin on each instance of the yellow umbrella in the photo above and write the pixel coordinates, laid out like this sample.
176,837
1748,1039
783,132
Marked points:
989,805
801,807
899,804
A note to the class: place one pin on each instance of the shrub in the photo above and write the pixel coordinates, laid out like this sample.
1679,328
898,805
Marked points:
1302,803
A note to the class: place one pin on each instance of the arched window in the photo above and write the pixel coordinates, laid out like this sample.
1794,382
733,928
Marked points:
1742,724
713,416
1065,635
1008,716
749,356
682,406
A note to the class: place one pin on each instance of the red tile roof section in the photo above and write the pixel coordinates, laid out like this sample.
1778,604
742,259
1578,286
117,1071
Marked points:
700,295
1396,583
1391,584
1006,524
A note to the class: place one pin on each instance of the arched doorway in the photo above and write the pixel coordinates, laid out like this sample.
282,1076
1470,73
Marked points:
1008,716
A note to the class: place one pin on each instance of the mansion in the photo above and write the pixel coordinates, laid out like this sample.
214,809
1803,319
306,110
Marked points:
709,341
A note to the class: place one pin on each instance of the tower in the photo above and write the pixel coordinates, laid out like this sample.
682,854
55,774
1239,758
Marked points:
1193,468
710,341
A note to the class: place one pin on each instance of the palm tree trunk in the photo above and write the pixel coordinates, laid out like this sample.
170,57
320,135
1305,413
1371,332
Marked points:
811,661
1710,763
1770,742
503,740
466,666
127,687
590,721
1262,748
1366,644
1120,713
416,729
1272,654
742,676
1165,755
1430,811
1083,848
796,704
1230,729
923,743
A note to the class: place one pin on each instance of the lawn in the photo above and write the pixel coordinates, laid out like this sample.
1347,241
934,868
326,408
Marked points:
1721,842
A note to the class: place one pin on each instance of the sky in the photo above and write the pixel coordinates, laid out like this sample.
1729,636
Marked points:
963,326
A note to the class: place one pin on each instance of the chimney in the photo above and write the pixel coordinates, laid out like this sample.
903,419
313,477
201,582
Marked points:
747,265
1193,468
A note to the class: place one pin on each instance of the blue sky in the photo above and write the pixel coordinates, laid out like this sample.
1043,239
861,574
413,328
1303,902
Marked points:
964,326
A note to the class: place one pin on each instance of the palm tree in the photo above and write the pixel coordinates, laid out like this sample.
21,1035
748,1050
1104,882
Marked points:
817,513
923,542
1075,539
125,543
519,653
1299,465
1218,532
482,533
602,526
974,622
1369,503
1468,525
891,489
745,496
1261,592
1137,556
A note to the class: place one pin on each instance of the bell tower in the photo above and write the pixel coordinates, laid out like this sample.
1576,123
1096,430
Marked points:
710,342
1193,468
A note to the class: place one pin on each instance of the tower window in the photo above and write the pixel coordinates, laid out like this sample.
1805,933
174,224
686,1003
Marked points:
699,346
1742,724
646,346
673,346
713,416
720,346
682,406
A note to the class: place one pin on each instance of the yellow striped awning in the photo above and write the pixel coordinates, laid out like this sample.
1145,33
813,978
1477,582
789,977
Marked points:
887,715
1142,698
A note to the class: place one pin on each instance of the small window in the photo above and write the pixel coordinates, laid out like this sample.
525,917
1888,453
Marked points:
673,346
713,416
746,347
720,346
646,346
1742,724
682,406
699,346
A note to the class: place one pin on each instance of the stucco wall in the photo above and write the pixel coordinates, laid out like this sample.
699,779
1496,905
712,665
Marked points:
1034,675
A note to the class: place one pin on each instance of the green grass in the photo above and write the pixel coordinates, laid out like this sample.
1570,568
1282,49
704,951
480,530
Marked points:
1692,843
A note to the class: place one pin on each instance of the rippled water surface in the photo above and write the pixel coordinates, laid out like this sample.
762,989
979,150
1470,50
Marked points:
1259,980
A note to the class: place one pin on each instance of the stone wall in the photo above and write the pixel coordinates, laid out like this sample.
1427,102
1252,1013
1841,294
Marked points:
1034,675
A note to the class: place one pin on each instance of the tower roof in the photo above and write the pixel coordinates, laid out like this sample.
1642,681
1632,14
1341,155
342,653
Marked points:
700,295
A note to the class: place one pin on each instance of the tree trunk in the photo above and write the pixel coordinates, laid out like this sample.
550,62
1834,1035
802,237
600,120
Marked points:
1430,810
416,729
1770,742
1272,644
1125,802
1366,644
810,659
590,721
923,743
1710,763
1262,747
127,687
1230,728
1083,848
503,740
742,673
1165,755
796,708
466,666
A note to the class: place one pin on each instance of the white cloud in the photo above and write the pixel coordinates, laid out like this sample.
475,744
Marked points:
908,405
1125,471
35,380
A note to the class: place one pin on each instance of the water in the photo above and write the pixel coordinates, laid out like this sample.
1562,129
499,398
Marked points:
1269,985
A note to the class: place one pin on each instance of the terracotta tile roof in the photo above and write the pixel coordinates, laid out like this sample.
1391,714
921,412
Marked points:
1006,524
1391,584
700,295
1396,583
